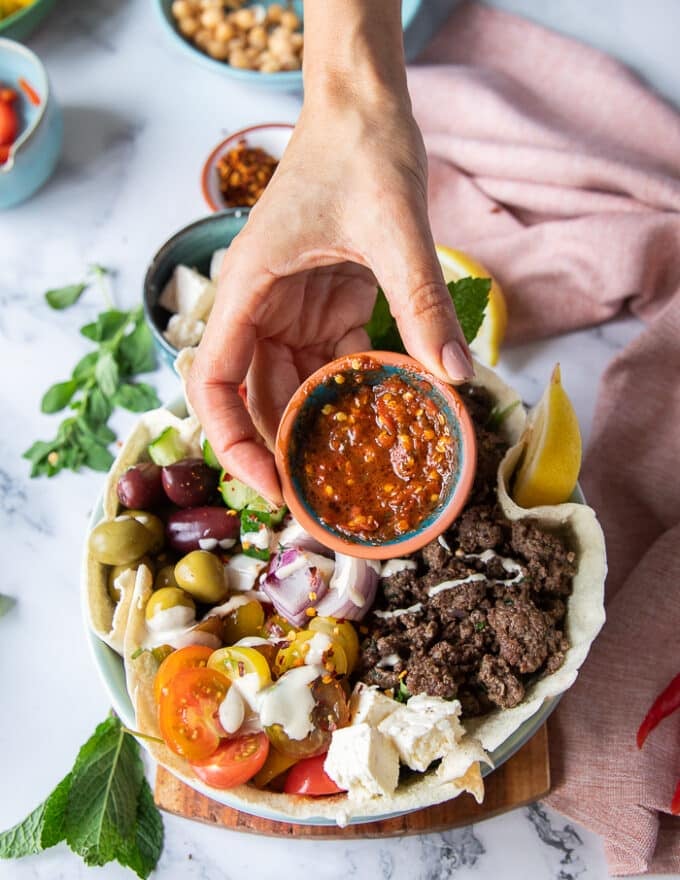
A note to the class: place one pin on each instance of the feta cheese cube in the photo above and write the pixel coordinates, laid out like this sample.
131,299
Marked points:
183,331
216,264
460,757
368,705
423,730
363,761
188,293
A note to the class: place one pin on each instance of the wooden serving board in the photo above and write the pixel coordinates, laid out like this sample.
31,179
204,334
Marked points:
521,780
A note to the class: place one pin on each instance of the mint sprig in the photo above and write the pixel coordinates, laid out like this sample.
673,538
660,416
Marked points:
470,297
103,809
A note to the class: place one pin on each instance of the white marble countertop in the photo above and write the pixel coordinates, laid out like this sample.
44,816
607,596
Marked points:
140,119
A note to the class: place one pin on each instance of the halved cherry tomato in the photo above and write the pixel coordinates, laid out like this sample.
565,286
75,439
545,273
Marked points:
237,662
188,712
273,768
246,620
235,761
309,777
185,658
295,654
340,631
277,627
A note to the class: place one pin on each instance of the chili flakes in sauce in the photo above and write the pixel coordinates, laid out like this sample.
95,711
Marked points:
376,460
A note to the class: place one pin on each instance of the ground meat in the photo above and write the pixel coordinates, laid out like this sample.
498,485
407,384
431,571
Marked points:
502,686
486,639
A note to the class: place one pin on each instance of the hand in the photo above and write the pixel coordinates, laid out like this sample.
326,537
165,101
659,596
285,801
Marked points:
346,206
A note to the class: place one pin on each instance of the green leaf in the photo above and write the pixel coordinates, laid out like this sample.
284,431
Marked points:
41,829
63,297
106,326
382,328
470,296
106,374
102,803
98,458
6,604
136,398
402,695
58,396
136,351
143,854
98,408
99,432
84,369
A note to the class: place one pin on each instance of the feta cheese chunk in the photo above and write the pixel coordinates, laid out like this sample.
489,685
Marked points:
423,730
183,331
216,264
188,293
363,761
368,705
458,760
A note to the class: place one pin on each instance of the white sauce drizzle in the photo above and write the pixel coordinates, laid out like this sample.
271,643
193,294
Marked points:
394,566
386,615
389,661
509,565
449,585
232,710
318,646
207,543
444,543
289,702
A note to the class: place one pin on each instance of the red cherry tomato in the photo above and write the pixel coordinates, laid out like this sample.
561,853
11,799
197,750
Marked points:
9,121
235,761
309,777
187,712
185,658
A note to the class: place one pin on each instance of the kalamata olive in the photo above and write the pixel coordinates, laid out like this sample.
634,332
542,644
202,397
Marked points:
120,541
168,597
151,523
141,487
201,574
189,483
202,528
165,577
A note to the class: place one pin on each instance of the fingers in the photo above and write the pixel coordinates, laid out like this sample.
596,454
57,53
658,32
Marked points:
272,380
409,272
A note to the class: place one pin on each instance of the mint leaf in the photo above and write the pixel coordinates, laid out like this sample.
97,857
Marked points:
6,604
136,352
402,695
136,398
58,396
98,408
470,296
382,328
143,854
41,829
106,326
106,373
63,297
84,369
98,458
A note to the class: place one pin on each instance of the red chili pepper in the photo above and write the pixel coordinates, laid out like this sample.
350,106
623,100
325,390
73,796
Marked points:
666,703
30,92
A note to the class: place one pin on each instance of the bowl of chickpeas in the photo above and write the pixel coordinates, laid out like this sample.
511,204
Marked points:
259,43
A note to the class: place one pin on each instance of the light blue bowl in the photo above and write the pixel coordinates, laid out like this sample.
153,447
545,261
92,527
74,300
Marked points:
35,152
286,80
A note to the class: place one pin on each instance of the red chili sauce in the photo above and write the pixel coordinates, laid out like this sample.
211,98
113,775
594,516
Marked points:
375,461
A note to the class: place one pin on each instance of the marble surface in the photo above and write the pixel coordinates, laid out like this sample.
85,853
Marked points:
140,119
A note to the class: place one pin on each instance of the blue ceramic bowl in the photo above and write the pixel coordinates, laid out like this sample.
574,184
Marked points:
287,80
21,24
34,154
192,246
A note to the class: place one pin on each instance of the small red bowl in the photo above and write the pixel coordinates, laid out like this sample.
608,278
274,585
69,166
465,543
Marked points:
272,137
315,392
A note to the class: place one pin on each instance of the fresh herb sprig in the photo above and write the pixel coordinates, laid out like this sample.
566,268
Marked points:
103,809
101,381
470,297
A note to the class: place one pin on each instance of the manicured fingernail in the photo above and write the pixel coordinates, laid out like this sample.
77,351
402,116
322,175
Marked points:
457,361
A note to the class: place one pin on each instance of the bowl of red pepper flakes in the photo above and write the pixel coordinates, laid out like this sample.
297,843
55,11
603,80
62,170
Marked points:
376,455
237,171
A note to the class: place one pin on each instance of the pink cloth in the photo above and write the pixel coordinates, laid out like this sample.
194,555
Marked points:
556,168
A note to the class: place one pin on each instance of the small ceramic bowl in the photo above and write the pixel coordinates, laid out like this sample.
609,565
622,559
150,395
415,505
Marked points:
272,137
21,24
319,390
285,80
192,246
34,154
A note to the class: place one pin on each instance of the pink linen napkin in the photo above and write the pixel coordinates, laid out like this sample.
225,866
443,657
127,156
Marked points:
560,171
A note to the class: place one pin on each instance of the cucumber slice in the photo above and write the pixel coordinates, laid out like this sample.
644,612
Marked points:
261,505
209,456
167,448
235,493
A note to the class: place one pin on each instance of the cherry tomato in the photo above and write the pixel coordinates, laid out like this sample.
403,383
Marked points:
277,627
184,658
188,712
273,768
340,631
237,662
9,121
235,761
309,777
246,620
334,659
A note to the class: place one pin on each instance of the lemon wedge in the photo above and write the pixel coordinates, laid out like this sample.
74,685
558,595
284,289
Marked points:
487,343
552,458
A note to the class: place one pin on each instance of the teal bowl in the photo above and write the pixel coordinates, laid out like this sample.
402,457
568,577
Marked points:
34,154
21,24
192,246
286,80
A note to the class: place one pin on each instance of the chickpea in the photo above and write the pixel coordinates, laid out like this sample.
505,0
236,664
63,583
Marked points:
280,43
181,9
274,13
218,50
290,20
211,18
270,64
257,37
238,58
289,62
187,26
243,18
296,41
202,37
225,31
236,43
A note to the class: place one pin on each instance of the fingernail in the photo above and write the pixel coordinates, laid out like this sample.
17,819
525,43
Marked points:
457,361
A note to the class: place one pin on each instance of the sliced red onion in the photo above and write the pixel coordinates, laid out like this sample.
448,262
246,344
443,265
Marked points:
293,535
296,580
352,588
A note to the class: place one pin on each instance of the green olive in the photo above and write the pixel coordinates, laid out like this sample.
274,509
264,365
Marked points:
165,577
120,541
117,570
151,522
202,574
167,597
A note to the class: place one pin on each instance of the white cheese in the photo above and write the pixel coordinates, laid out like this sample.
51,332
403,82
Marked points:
183,331
188,293
424,729
289,701
368,705
363,761
394,566
456,762
449,585
216,264
259,539
242,572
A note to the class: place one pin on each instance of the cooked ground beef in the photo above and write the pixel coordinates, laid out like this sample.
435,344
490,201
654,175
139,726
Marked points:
486,637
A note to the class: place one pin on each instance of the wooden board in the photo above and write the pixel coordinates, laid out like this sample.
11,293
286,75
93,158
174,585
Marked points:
521,780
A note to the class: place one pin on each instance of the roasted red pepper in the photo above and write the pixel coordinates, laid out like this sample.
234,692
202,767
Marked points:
9,121
665,704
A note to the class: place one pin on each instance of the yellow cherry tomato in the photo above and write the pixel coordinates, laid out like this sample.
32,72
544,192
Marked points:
246,620
296,653
342,632
239,662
